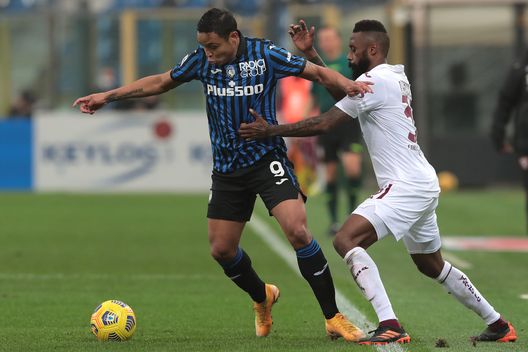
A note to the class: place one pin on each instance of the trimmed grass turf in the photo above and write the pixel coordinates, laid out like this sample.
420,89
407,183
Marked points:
61,255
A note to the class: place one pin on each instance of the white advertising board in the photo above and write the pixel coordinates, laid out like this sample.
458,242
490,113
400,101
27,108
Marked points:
122,151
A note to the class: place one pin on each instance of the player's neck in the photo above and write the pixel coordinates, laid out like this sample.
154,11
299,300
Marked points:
378,62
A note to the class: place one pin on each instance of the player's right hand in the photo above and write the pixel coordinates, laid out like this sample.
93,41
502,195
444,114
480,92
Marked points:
90,103
302,38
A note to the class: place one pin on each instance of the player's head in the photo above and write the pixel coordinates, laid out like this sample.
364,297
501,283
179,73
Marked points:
369,46
329,41
219,36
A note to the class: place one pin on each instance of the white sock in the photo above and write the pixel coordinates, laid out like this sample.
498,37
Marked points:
366,274
458,284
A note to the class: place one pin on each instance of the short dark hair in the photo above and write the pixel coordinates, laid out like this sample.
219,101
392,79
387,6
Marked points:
221,22
377,32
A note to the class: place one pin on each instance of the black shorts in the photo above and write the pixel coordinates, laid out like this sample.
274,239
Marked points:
233,195
345,138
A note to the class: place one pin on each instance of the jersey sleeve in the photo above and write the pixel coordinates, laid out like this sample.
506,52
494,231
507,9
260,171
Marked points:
188,68
283,62
353,106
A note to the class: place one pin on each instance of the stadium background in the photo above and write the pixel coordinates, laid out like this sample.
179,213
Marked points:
455,52
66,247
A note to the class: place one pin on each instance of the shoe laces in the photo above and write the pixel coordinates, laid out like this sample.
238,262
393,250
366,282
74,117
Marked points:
260,310
345,324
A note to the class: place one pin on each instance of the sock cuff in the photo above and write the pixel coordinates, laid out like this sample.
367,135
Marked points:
354,251
309,250
232,263
446,270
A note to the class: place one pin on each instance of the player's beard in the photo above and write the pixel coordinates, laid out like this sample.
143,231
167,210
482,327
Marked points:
361,67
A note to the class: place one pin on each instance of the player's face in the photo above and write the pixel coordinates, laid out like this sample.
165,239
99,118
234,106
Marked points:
358,58
219,51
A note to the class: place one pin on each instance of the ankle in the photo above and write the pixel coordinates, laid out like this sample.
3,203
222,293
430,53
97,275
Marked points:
498,325
391,323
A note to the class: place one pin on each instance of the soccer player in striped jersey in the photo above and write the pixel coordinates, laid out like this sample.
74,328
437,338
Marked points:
238,74
406,203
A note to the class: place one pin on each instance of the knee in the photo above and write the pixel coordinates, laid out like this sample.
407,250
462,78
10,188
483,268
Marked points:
429,270
343,242
298,234
222,252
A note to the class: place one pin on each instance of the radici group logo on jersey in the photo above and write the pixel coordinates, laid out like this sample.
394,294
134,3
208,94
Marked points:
252,68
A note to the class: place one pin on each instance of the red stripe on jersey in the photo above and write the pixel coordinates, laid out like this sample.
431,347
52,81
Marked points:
387,189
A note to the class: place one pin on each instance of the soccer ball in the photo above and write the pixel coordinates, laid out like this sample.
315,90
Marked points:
448,181
113,320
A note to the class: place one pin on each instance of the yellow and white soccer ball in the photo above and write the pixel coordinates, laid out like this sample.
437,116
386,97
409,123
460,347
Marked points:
113,320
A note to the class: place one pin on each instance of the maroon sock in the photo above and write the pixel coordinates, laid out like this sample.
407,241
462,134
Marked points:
498,325
391,323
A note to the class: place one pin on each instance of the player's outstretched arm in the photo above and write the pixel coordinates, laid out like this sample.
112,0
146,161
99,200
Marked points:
144,87
333,80
308,127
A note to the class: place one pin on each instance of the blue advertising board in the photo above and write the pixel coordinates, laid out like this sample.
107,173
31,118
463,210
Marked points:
16,160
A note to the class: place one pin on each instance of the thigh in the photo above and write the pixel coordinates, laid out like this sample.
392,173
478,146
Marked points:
274,180
230,199
424,235
224,237
291,216
367,210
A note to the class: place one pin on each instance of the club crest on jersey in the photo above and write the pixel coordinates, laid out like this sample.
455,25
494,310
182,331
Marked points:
252,68
230,70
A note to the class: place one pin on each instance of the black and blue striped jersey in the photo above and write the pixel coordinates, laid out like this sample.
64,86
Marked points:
249,81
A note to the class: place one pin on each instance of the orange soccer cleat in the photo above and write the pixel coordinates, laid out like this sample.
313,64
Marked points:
262,310
339,326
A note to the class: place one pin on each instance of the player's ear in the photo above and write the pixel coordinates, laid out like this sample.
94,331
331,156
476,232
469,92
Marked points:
373,49
233,35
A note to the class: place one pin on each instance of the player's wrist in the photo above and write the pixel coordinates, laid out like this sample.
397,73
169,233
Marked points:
310,53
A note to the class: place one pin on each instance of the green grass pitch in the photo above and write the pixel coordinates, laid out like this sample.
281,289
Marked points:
61,255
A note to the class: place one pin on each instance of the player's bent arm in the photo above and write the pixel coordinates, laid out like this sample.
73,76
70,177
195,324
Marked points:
312,126
313,56
335,81
309,127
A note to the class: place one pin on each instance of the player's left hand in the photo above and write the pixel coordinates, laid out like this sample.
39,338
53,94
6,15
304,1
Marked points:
353,88
254,130
302,37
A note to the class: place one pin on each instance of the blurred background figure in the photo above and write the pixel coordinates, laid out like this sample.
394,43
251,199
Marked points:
342,145
23,105
459,103
513,101
295,103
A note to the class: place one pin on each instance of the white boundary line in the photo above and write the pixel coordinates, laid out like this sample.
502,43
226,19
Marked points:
456,261
271,238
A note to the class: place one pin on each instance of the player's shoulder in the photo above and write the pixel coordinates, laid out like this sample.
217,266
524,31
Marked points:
384,75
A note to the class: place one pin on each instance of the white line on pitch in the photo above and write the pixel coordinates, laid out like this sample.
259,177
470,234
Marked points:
456,261
269,236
